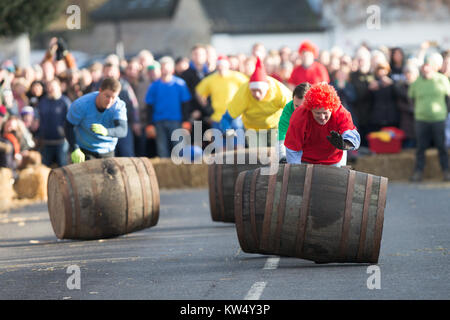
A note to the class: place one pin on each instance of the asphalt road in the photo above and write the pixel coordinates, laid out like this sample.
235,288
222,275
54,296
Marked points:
188,256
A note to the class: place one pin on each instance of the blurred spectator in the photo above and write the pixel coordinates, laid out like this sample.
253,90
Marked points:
8,65
271,64
429,92
346,61
147,146
9,102
35,93
234,63
221,86
140,83
241,57
145,59
360,80
57,59
123,64
406,106
52,110
181,65
125,145
377,58
72,86
325,58
48,71
285,54
154,71
96,70
133,72
29,75
197,71
211,58
168,107
384,110
397,63
335,65
283,72
28,118
336,52
309,71
38,73
4,82
345,90
259,50
112,59
6,147
445,70
249,66
20,88
15,132
85,80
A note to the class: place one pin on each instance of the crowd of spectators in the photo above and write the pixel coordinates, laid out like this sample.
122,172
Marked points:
373,84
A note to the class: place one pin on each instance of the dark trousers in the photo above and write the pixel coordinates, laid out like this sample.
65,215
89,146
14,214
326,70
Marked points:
95,155
164,143
55,154
428,133
125,145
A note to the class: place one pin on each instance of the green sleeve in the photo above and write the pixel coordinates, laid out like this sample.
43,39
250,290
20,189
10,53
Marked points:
284,120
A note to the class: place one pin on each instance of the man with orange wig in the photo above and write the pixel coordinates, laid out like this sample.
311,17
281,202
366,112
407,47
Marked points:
321,130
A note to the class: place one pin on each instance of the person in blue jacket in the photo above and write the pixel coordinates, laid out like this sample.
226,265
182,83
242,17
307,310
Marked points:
95,121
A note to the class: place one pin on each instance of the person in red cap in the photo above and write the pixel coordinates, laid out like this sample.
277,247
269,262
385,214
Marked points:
310,70
260,101
321,130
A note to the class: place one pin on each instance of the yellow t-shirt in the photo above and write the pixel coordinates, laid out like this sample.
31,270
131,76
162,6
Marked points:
264,114
221,89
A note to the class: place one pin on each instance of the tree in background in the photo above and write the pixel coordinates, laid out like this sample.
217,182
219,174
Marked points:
24,16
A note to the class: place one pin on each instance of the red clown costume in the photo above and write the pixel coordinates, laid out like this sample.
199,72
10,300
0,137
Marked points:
313,71
321,129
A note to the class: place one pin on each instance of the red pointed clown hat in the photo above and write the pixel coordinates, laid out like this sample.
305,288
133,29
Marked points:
258,80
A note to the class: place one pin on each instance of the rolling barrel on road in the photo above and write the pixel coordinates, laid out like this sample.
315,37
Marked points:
222,178
314,212
103,198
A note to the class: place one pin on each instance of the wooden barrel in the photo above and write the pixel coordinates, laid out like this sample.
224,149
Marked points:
314,212
103,198
222,179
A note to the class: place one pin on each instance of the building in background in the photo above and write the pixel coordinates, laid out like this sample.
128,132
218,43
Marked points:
232,26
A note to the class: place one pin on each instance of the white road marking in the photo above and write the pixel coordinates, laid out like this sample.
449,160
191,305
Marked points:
255,291
272,263
257,288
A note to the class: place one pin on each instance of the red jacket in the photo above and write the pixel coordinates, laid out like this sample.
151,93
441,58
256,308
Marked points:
313,74
305,134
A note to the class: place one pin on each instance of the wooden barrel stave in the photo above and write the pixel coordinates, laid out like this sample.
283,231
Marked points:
339,221
103,198
222,178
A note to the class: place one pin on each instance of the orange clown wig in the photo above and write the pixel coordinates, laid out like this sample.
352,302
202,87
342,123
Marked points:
322,95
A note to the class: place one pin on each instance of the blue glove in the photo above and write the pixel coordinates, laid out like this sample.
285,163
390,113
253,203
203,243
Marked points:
225,122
